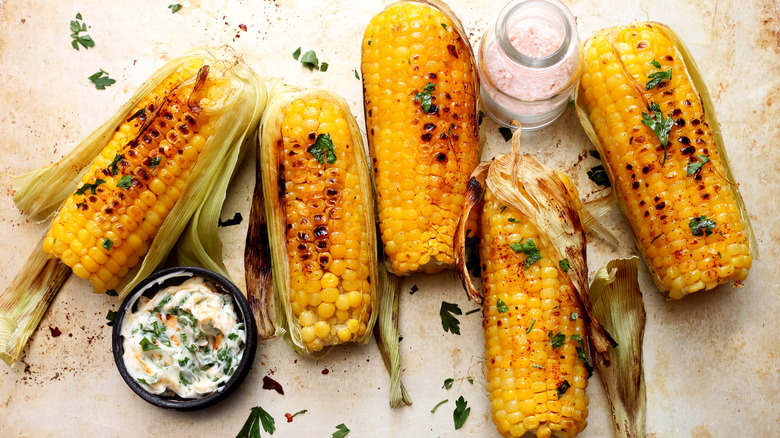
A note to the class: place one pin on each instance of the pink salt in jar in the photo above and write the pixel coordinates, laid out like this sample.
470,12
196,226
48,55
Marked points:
529,63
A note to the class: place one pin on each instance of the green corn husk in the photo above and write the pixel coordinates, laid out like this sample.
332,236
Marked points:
287,324
617,303
41,192
386,334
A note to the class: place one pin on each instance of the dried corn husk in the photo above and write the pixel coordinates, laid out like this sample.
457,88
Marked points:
700,88
552,210
274,203
41,192
617,303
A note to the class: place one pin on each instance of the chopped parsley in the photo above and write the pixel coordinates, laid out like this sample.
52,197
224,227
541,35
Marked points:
297,413
357,76
657,77
659,124
473,311
183,380
444,26
461,412
92,187
581,354
76,27
557,339
501,306
235,220
108,243
112,293
599,176
696,167
439,404
505,132
310,61
125,182
297,53
448,383
257,417
154,162
448,320
323,149
533,321
701,226
503,207
573,316
578,338
562,388
564,264
655,63
534,365
414,289
174,8
473,262
513,220
147,345
341,431
114,166
101,79
111,316
532,254
426,100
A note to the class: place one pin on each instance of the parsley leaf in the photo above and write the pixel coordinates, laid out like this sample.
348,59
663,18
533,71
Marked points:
174,8
473,311
322,148
147,345
557,339
562,388
357,76
595,154
695,167
439,404
461,412
76,27
448,320
444,26
655,63
107,243
657,77
659,124
501,306
297,53
114,166
91,187
125,182
599,176
235,220
573,316
251,427
700,223
564,265
513,220
578,338
100,81
532,254
298,413
310,61
112,293
581,354
111,316
533,321
506,133
341,431
448,383
154,162
426,100
414,289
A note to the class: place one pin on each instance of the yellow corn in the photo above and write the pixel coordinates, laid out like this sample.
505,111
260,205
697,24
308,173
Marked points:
104,229
658,196
422,159
525,374
327,233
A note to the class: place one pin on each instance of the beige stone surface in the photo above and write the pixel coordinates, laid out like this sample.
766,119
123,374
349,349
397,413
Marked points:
712,361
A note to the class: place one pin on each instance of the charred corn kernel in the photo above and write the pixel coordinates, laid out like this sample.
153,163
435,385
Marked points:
324,214
531,347
656,193
423,155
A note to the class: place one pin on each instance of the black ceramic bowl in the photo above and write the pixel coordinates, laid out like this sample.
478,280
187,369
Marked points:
173,277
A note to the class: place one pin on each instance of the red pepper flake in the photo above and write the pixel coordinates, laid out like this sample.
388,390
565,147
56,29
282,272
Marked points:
289,417
453,50
55,331
242,27
325,372
269,383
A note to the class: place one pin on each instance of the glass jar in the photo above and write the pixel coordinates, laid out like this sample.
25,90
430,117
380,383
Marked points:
529,63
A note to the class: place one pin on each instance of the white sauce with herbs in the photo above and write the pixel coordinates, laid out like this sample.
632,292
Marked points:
186,340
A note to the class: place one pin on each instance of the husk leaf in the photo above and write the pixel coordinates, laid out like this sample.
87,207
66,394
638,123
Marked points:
274,203
617,303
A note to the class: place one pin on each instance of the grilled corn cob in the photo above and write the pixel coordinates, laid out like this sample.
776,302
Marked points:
320,220
421,102
536,315
679,198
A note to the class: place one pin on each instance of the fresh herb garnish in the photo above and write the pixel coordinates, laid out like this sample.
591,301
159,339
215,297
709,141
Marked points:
513,220
322,149
414,289
114,166
578,338
448,320
297,53
573,316
91,187
599,176
659,124
503,207
112,293
461,412
595,154
564,264
533,321
655,63
505,132
341,431
310,61
76,27
108,243
481,116
233,336
251,427
183,380
357,76
656,238
303,411
147,345
111,316
125,182
532,254
501,306
101,81
562,388
557,339
444,26
174,8
581,354
536,365
473,262
448,383
154,162
695,167
439,404
226,356
161,305
235,220
473,311
701,226
425,99
184,362
657,77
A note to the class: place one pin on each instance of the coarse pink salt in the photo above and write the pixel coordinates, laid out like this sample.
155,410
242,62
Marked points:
535,38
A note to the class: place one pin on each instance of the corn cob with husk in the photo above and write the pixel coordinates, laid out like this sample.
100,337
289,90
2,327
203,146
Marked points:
320,213
537,314
117,221
645,106
421,101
